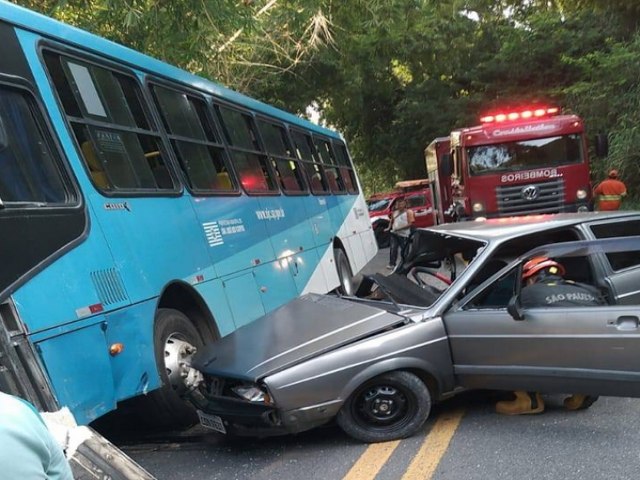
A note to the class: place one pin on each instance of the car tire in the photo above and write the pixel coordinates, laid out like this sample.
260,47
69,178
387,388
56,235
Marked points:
347,283
388,407
165,408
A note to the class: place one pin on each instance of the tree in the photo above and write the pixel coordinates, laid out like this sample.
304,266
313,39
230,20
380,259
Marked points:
394,74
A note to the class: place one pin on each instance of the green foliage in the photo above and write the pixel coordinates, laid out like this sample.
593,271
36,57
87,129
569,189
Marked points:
394,74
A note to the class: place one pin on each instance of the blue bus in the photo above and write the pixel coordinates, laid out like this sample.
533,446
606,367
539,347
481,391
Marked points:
145,211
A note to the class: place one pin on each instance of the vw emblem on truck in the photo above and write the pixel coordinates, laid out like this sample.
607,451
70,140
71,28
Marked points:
530,192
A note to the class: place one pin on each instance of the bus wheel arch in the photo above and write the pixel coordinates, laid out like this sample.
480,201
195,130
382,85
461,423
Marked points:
183,297
347,280
182,324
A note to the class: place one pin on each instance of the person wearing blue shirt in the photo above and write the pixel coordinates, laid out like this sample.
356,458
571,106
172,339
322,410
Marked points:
28,451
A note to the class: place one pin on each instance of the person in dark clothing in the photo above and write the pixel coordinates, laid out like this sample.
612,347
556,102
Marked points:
546,287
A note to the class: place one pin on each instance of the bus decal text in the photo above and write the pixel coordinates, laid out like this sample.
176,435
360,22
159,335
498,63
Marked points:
270,214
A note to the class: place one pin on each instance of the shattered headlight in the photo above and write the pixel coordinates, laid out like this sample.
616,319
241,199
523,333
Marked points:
252,393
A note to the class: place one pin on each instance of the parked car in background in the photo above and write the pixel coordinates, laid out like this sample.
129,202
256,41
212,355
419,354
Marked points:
448,319
419,199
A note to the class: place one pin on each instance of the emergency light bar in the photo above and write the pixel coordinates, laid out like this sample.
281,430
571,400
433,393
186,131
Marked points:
521,115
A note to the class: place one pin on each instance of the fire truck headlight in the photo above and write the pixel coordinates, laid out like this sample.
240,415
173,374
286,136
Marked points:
477,207
581,194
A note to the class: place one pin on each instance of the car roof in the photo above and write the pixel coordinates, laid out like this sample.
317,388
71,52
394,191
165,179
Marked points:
507,227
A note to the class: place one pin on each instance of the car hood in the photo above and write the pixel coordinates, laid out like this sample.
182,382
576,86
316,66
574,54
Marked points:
299,330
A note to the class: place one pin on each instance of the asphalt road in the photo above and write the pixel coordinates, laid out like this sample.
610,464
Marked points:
600,443
463,439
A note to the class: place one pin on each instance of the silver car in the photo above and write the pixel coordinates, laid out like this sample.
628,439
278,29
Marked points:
448,319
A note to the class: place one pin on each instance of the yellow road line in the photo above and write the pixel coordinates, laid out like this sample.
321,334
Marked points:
434,447
371,461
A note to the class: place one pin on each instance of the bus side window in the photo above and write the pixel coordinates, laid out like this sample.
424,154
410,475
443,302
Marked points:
248,159
106,108
29,172
305,151
326,155
285,165
95,167
195,140
346,169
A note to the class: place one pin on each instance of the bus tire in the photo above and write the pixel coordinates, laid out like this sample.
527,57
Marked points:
345,275
175,337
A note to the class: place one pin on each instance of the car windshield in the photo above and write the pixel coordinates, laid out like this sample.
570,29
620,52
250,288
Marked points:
432,262
379,205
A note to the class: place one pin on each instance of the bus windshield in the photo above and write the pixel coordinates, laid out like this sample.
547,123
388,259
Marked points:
525,154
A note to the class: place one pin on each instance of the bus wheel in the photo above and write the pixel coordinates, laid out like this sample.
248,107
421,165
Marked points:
175,341
347,286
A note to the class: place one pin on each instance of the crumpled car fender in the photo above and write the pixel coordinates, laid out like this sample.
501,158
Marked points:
427,371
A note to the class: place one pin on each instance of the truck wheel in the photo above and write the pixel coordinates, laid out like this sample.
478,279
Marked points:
175,341
389,407
345,275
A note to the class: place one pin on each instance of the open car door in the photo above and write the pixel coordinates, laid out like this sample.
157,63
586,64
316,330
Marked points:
592,350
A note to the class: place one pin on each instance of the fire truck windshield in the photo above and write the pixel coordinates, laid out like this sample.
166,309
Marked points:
525,154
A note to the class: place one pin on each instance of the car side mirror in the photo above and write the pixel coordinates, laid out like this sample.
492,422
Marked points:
515,308
602,145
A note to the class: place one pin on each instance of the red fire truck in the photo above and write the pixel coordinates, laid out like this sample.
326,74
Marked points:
419,199
528,161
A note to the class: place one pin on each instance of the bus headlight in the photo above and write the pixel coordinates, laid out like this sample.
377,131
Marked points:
478,207
581,194
252,393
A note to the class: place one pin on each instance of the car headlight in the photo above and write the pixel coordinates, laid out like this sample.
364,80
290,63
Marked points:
477,207
252,393
581,194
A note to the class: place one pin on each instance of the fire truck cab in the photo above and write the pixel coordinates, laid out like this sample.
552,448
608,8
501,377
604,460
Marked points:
419,199
522,162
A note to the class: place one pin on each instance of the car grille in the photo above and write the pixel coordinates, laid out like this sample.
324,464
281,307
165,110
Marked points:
543,197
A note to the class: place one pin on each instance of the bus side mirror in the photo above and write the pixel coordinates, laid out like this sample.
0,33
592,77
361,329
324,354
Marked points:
515,308
446,166
602,145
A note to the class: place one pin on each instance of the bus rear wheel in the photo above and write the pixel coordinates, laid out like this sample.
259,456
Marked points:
347,282
176,339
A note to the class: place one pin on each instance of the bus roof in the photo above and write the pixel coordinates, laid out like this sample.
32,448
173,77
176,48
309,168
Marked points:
67,34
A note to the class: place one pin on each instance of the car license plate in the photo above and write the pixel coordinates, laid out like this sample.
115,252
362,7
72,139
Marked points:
214,422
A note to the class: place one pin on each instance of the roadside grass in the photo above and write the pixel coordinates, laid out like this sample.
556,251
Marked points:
630,204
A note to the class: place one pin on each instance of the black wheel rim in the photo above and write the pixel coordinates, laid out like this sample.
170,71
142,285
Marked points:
383,407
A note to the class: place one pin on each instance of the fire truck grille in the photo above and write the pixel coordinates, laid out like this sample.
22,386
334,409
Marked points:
543,197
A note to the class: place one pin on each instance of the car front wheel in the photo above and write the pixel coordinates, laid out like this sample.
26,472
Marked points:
389,407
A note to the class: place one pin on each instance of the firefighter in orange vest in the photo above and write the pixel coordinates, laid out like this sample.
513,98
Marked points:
610,192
